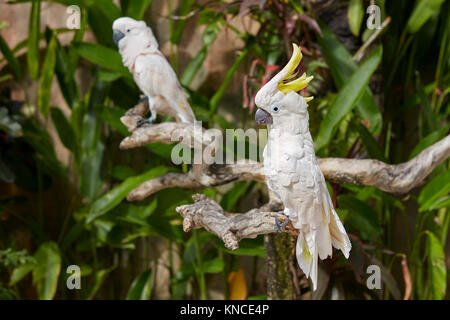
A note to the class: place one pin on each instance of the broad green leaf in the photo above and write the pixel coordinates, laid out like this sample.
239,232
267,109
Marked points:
64,129
113,197
347,98
437,270
33,40
423,10
99,278
13,63
47,269
342,66
355,16
103,56
434,191
429,140
141,287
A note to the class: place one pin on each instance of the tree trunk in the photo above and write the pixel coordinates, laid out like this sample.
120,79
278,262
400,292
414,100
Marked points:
280,281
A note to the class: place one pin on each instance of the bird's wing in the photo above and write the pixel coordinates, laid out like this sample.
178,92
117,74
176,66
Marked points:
156,77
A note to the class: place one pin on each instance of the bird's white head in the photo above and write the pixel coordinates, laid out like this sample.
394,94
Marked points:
133,35
278,100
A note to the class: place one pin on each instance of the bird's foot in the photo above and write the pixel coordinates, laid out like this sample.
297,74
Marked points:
143,99
279,225
141,122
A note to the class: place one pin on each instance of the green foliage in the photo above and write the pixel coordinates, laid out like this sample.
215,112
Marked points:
353,115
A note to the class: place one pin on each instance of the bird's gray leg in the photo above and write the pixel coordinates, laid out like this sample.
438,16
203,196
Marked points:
278,224
152,117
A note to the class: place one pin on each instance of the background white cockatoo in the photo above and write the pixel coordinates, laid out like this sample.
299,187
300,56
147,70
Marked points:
292,170
151,70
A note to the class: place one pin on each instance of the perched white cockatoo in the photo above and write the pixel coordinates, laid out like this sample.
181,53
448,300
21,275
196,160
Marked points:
151,70
292,171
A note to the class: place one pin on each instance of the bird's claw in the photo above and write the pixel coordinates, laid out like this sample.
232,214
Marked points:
279,225
141,122
143,99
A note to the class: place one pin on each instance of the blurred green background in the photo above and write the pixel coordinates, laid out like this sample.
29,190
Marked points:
380,94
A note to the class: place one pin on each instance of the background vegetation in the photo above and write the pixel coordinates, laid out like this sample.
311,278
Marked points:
389,105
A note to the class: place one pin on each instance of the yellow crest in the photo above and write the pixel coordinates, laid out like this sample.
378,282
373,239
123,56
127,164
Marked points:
286,86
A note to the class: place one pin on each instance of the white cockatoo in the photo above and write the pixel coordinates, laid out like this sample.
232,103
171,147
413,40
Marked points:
292,171
151,70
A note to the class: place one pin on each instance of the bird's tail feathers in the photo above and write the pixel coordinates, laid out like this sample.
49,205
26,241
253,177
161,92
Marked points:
318,242
307,257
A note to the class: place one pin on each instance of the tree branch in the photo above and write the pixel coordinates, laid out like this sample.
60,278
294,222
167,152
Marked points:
231,228
398,178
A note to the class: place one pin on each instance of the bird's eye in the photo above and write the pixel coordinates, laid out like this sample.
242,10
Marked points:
275,109
128,30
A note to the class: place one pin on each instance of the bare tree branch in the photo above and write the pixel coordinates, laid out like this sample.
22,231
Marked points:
398,178
231,228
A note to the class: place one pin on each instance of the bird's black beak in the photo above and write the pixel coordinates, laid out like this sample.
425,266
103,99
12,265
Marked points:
117,35
263,117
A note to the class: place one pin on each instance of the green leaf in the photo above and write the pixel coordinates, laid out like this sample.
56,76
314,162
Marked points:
113,197
33,40
65,131
429,140
228,77
63,67
122,172
183,12
141,287
372,146
347,98
103,56
434,191
13,63
423,10
99,278
437,270
362,217
355,16
48,70
342,66
196,63
111,115
20,272
91,156
387,278
213,266
47,269
231,197
136,9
